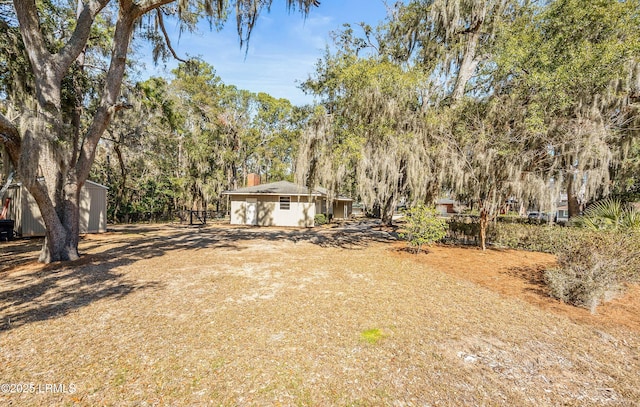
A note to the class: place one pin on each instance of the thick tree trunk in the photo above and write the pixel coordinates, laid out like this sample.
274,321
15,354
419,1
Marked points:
468,65
120,194
51,164
45,173
5,164
388,210
572,199
61,243
61,224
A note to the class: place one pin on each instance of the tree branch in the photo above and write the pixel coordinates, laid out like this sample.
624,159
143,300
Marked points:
166,36
474,27
122,106
146,6
10,137
96,67
80,36
111,91
29,23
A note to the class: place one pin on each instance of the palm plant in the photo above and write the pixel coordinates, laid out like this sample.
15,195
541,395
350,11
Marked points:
610,214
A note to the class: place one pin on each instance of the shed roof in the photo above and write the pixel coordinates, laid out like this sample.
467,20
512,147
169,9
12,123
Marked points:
95,184
325,192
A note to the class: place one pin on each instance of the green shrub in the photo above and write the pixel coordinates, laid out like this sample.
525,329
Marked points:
600,256
512,234
594,267
536,238
465,229
423,227
320,219
521,220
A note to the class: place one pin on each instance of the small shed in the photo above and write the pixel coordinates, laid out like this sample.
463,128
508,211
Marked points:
283,203
24,210
446,206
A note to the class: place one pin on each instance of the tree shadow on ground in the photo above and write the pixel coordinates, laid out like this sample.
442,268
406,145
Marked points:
346,237
30,291
19,251
534,278
37,292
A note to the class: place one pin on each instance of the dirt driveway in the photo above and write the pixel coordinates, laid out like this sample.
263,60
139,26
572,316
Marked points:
166,315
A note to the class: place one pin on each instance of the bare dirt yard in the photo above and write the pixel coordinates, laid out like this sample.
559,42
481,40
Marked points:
235,316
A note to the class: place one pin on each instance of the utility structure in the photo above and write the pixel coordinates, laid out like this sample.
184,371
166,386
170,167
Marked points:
6,225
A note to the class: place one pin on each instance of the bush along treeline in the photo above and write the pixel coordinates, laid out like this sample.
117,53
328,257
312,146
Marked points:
598,253
423,227
594,267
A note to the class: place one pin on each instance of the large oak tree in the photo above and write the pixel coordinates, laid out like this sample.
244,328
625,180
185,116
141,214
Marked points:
49,146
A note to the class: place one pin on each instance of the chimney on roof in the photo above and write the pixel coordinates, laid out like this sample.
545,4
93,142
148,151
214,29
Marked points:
253,180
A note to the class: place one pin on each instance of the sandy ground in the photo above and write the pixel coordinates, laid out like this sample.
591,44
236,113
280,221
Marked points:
166,315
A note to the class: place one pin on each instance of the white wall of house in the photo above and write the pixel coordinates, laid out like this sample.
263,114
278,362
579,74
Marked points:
270,210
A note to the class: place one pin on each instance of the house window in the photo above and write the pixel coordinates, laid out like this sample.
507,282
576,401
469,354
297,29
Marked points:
285,203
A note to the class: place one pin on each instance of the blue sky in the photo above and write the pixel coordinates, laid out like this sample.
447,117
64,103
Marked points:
284,46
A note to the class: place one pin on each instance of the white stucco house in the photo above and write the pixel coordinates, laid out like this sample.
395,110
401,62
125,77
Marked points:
283,203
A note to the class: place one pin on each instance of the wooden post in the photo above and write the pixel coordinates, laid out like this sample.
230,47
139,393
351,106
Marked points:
205,213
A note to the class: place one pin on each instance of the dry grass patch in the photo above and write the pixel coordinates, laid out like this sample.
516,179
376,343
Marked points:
238,316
